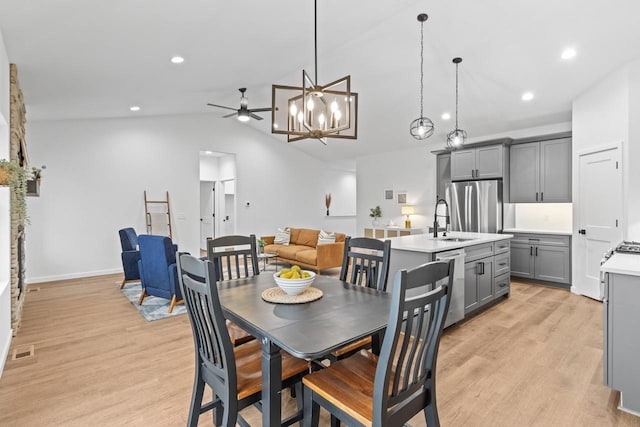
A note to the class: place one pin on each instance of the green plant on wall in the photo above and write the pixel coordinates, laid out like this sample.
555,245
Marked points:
14,175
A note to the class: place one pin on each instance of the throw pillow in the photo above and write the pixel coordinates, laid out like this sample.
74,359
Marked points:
326,237
282,237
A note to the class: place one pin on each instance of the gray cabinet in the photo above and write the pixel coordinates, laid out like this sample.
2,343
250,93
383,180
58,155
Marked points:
541,257
540,172
443,173
621,313
478,163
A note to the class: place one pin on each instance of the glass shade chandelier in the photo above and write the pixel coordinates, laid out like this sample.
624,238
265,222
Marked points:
422,127
456,137
313,110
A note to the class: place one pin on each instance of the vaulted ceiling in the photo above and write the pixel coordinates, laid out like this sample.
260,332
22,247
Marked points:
94,59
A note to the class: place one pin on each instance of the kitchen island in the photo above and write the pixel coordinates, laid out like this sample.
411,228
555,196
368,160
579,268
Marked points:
482,270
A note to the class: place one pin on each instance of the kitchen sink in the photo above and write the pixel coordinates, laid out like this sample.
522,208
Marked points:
455,239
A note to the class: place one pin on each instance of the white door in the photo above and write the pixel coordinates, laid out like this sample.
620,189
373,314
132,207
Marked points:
207,206
599,215
227,207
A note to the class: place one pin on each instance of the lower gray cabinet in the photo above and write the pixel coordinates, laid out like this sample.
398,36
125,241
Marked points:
478,283
541,257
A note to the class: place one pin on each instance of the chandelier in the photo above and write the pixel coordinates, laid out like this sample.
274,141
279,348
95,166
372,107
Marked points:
456,137
313,110
422,127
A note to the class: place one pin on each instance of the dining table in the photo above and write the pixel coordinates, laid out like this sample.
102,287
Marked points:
310,331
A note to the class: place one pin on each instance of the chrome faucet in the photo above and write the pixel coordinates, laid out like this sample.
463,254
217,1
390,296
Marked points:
435,218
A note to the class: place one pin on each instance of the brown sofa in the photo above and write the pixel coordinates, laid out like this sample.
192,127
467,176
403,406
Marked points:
303,249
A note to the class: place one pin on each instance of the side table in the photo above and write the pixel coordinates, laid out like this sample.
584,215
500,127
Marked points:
265,256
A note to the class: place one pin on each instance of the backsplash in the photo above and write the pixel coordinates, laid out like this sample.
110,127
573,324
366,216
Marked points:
543,216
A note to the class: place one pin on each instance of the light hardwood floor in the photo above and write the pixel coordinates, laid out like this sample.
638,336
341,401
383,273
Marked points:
534,359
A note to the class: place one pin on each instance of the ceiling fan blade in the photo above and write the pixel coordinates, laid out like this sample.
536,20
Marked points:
222,106
255,116
257,110
229,115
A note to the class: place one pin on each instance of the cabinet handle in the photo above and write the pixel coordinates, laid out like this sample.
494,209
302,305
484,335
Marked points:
502,285
531,238
502,263
473,173
483,268
477,173
542,196
530,250
536,196
536,251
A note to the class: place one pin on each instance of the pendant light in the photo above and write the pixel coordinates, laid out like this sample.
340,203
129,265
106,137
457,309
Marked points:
312,110
422,127
456,137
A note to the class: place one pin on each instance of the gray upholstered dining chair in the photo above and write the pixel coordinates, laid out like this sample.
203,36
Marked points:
390,389
365,263
234,257
233,373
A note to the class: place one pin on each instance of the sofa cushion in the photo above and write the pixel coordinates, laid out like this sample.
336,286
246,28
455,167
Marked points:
309,256
289,251
326,237
307,237
283,237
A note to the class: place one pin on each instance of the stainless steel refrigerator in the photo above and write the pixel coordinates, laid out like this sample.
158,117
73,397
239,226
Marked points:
475,206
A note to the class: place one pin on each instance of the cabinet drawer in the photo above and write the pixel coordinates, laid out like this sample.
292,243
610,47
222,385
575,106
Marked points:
502,264
503,285
542,239
473,253
501,247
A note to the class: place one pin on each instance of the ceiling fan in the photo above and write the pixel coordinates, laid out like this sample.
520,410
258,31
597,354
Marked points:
243,113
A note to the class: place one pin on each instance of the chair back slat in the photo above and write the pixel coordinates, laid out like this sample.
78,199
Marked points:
366,262
235,257
214,351
408,356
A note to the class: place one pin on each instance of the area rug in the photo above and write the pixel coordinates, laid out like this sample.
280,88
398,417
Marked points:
152,308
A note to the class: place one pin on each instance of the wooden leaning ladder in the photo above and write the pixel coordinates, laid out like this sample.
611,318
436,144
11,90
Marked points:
147,213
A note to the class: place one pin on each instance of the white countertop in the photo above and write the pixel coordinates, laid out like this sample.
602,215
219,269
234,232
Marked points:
622,264
531,231
427,243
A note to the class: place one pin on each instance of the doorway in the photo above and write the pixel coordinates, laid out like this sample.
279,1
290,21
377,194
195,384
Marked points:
599,219
207,212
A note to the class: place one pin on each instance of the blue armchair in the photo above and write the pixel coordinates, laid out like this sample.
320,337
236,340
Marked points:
130,256
158,272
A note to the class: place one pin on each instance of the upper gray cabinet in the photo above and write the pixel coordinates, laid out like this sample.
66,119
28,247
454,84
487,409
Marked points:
541,171
477,163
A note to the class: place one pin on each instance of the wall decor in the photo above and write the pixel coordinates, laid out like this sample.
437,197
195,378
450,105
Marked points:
327,201
388,194
402,198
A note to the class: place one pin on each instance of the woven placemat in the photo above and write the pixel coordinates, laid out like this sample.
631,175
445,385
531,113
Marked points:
278,296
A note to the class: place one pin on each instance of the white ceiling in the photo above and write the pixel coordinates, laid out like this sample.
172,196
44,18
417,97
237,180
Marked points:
88,59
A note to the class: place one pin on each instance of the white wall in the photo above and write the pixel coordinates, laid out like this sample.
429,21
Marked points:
208,168
97,170
544,216
5,220
412,170
632,169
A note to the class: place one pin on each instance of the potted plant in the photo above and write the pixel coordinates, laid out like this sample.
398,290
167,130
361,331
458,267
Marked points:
14,175
375,214
261,244
33,184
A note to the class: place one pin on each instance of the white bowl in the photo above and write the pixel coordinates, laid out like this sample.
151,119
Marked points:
294,286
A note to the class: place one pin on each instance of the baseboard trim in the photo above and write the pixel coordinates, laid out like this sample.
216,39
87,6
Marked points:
5,351
81,275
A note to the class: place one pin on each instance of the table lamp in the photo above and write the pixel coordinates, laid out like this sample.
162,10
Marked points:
407,210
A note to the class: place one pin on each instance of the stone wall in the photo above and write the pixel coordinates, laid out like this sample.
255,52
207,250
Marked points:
18,154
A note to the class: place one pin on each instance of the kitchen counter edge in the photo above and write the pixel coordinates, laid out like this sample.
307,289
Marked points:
428,244
531,231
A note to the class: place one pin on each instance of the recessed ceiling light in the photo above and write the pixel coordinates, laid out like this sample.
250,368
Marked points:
568,53
134,108
446,116
208,152
527,96
177,59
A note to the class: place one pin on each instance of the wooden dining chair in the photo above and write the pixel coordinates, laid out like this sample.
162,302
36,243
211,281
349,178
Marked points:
233,373
234,257
388,390
365,263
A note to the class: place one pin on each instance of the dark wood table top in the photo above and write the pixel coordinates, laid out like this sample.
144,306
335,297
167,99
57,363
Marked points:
310,330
